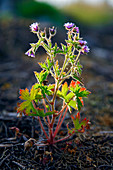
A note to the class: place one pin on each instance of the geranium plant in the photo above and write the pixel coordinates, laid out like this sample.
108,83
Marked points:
40,101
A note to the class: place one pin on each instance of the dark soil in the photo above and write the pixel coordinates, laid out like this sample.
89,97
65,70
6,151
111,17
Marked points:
92,150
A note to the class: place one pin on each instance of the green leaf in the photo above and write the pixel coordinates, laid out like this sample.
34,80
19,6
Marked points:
59,94
26,105
44,89
69,96
51,87
75,89
65,89
64,47
41,76
40,112
76,121
55,48
69,48
78,126
83,93
50,64
73,104
33,93
43,65
59,51
79,103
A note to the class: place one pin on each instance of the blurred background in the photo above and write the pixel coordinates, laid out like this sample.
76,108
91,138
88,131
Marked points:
95,19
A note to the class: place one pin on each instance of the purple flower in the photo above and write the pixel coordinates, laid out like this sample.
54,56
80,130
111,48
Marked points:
85,49
69,25
34,27
82,43
30,53
76,30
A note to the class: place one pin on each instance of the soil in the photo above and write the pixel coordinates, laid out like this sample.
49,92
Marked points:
91,150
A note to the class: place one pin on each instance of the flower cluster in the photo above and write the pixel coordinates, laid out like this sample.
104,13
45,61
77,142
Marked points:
79,43
40,100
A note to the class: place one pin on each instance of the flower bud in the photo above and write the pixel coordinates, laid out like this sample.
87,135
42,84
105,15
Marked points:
30,53
75,30
52,31
43,34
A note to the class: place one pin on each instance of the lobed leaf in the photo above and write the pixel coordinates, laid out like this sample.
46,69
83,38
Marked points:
78,126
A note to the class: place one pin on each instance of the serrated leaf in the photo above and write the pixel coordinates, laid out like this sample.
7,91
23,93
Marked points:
26,105
75,89
24,94
83,93
78,126
76,123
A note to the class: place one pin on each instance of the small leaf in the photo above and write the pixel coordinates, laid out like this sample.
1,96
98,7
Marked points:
69,47
76,78
41,76
64,89
43,65
63,47
78,126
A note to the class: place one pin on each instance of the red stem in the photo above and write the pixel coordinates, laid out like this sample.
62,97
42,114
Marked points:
59,118
62,139
59,125
43,128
